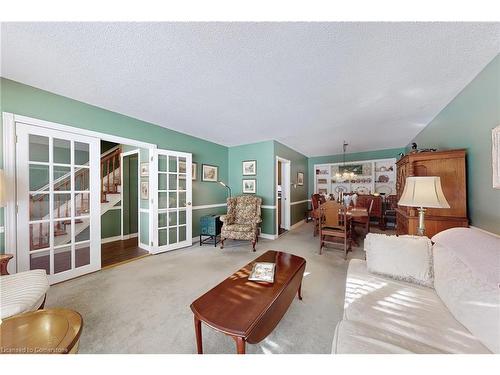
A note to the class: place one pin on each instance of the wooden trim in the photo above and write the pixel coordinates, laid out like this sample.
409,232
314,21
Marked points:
448,154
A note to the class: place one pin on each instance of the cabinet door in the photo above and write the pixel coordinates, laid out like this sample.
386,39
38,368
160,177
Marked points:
452,173
401,174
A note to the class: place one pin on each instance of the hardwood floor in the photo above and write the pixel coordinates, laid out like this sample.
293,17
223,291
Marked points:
120,251
281,230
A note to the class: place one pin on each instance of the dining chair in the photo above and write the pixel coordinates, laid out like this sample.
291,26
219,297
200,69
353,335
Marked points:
334,225
364,220
390,206
316,201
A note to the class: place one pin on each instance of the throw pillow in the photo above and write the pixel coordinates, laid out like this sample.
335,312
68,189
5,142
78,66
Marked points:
405,258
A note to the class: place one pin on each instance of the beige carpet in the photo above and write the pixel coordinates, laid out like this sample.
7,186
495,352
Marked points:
143,306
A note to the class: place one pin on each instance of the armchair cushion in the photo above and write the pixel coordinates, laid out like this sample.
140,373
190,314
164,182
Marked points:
239,227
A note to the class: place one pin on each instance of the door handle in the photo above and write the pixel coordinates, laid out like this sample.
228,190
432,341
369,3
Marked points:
189,203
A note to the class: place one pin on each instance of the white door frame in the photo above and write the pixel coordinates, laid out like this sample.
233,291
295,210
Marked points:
122,156
285,192
23,131
153,201
9,157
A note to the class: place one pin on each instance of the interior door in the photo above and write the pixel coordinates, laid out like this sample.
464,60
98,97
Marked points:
58,222
171,200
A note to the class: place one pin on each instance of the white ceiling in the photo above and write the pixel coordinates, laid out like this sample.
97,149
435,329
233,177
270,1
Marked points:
307,85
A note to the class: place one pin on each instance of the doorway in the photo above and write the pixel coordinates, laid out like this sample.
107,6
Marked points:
282,195
125,247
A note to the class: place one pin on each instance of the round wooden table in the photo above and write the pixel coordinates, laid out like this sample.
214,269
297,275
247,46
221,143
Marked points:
51,331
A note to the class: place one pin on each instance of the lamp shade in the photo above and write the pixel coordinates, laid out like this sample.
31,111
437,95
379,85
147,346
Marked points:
3,197
423,192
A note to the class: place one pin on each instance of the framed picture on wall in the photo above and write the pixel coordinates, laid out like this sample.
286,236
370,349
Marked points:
300,178
495,146
194,171
144,169
209,173
144,190
249,167
250,186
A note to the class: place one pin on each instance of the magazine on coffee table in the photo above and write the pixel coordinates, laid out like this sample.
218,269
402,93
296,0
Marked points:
262,271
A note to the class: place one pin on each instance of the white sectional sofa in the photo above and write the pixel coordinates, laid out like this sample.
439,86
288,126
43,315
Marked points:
459,314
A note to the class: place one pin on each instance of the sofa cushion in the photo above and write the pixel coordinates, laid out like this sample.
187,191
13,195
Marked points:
406,258
467,244
360,338
473,302
404,309
22,292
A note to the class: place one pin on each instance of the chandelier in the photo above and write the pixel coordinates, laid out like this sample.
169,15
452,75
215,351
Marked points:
344,175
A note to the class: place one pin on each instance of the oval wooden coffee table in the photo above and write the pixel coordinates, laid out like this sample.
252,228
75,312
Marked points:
246,310
54,331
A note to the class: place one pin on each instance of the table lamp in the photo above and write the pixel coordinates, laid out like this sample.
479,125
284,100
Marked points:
423,192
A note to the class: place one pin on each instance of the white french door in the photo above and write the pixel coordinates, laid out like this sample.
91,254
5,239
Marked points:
58,221
171,200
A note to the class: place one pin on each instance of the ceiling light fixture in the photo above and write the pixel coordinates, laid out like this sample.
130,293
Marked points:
345,175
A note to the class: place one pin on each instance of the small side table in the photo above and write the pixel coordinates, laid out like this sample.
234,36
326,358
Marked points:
210,228
51,331
4,261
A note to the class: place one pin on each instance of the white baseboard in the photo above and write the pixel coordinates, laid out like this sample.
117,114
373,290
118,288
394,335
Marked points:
111,239
145,247
119,238
268,236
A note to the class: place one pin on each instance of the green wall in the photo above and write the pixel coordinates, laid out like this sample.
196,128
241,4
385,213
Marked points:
130,194
298,193
355,156
30,101
263,153
466,122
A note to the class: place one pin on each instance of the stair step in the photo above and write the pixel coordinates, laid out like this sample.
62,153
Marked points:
58,233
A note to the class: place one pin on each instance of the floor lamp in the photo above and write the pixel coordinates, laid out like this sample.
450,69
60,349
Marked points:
423,192
227,187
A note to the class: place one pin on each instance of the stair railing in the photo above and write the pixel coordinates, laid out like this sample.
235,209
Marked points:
110,174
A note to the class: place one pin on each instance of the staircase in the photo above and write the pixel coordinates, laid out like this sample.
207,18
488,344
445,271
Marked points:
110,197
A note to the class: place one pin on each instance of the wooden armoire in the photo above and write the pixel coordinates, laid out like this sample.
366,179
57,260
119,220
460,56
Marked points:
450,166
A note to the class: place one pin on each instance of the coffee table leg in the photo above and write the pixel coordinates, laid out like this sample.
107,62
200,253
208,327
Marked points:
300,292
240,345
197,329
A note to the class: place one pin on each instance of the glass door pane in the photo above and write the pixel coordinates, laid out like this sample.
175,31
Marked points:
55,202
173,197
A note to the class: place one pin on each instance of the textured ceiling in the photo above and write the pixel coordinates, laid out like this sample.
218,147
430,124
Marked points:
307,85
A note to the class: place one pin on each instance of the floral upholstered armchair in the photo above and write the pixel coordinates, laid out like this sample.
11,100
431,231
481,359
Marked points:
242,219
